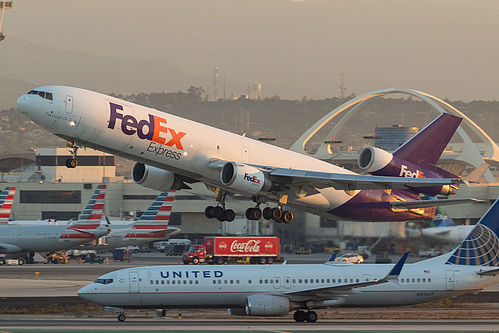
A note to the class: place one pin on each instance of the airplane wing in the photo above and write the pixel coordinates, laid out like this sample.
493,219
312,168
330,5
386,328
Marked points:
326,293
432,203
343,181
349,182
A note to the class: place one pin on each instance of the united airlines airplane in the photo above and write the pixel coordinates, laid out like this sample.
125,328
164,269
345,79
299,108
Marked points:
172,152
52,238
275,290
150,227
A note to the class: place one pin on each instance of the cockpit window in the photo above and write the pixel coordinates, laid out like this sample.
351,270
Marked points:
42,94
104,281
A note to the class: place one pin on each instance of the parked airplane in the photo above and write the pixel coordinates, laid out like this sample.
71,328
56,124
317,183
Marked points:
275,290
171,151
6,200
51,238
444,229
151,226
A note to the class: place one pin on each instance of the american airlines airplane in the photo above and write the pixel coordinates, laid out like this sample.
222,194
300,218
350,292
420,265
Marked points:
52,238
172,152
275,290
6,201
150,227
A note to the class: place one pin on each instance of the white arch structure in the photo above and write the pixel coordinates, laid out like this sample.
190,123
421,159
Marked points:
470,153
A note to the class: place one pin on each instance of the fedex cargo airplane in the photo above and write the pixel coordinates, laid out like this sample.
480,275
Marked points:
6,201
275,290
150,227
172,152
52,238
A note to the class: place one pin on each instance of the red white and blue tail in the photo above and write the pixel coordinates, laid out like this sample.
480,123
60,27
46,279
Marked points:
154,221
6,200
90,218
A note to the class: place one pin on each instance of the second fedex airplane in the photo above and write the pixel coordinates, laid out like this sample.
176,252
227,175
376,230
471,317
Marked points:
172,152
275,290
151,226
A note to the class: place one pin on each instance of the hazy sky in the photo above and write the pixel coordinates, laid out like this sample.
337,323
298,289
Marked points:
448,48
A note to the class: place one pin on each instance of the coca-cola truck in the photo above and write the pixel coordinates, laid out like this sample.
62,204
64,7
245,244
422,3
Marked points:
224,249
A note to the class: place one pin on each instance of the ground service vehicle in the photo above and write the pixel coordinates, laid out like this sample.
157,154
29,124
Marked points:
223,249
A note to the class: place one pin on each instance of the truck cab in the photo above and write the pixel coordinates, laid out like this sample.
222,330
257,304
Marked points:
195,254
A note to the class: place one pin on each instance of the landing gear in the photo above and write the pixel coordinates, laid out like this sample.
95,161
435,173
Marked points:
253,213
219,212
72,163
276,214
121,317
301,316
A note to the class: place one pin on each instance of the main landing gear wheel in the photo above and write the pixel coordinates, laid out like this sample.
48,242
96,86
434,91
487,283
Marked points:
219,213
253,213
121,317
280,216
301,316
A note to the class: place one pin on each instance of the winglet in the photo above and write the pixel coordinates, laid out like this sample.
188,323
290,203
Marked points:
395,272
332,258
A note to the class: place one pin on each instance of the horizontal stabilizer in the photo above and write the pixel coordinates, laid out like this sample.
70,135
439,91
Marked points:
432,203
475,175
491,272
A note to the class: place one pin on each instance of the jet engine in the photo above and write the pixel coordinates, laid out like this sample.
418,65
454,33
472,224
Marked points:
373,159
267,305
244,178
154,178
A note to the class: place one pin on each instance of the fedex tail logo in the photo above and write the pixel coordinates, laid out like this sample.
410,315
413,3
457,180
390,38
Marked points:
404,172
154,129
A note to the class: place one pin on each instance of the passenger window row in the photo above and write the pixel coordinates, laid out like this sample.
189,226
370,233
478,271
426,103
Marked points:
226,281
42,94
174,282
415,280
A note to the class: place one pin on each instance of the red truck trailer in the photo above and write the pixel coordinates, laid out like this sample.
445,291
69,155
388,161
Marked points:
225,249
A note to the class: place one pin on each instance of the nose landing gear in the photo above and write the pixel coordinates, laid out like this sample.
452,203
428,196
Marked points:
72,163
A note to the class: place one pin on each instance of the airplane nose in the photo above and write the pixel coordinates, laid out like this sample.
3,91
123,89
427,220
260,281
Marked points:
85,292
23,103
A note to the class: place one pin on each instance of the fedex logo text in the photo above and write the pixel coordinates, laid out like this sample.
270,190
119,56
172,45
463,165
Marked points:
404,172
252,179
153,129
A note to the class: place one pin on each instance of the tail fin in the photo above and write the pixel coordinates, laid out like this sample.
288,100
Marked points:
441,219
481,247
6,200
156,218
91,216
428,144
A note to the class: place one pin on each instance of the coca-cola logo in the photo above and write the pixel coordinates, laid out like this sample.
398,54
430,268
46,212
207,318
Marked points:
269,246
223,246
252,246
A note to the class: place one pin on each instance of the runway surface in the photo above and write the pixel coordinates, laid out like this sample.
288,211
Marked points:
269,325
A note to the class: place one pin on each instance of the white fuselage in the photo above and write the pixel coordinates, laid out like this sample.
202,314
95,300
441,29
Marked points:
188,146
47,238
452,234
126,235
229,286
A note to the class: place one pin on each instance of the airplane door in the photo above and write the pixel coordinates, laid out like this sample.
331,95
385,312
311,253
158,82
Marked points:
449,280
69,104
134,282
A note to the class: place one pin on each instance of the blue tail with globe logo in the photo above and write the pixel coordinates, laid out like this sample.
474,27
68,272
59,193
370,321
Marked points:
481,247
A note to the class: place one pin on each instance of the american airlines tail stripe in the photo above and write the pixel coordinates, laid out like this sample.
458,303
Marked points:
151,226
